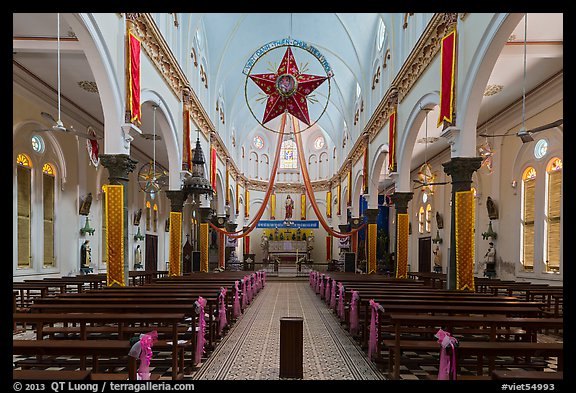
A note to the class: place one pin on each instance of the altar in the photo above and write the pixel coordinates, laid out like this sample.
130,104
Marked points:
287,250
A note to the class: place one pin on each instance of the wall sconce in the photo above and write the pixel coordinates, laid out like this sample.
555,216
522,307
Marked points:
87,229
138,236
514,183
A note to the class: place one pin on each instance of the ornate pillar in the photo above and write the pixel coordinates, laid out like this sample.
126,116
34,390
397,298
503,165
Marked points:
460,274
119,167
371,235
205,216
177,198
400,200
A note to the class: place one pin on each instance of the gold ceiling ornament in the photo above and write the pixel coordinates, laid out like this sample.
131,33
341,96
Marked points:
492,90
89,86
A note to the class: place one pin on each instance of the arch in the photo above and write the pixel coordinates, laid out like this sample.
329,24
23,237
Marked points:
104,70
475,80
378,162
357,192
408,138
323,166
169,137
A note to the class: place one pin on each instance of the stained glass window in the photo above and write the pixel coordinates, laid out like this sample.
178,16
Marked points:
258,142
428,218
148,215
48,188
421,219
48,169
381,33
528,213
288,155
319,143
553,228
24,185
24,160
540,148
37,143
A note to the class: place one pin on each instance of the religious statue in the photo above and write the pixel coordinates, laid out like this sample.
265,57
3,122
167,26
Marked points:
439,221
490,261
265,245
492,210
137,217
276,234
138,257
309,245
85,257
437,260
85,204
289,207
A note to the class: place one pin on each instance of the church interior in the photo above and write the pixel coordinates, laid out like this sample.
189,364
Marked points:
288,196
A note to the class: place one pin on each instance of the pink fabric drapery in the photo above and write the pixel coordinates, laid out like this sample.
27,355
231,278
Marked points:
200,340
321,287
237,310
447,368
249,289
143,350
244,295
341,301
327,291
354,313
374,326
333,295
222,320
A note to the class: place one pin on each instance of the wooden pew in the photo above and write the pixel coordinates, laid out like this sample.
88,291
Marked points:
51,375
94,348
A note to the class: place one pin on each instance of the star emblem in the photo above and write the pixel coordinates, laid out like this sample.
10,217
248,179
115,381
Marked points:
287,89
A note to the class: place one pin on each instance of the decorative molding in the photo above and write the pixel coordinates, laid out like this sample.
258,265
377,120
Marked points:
159,52
260,185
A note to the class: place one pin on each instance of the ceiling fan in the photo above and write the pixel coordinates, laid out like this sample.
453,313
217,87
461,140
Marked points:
524,134
57,125
426,181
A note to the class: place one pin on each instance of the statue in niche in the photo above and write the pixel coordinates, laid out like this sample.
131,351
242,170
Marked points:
265,245
439,221
137,217
490,261
138,257
492,210
85,257
85,204
289,207
437,260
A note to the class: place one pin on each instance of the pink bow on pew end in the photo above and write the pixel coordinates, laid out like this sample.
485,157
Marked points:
244,298
200,340
143,350
447,368
222,321
354,313
373,340
327,292
237,310
333,295
341,301
321,287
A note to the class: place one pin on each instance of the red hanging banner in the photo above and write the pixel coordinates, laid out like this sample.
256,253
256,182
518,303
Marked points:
134,78
213,168
187,153
365,171
392,142
328,248
447,70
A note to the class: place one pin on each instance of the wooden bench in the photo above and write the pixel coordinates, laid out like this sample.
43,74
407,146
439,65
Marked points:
466,349
52,375
527,375
94,348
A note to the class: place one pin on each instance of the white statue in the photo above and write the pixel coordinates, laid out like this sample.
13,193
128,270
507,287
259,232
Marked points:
265,244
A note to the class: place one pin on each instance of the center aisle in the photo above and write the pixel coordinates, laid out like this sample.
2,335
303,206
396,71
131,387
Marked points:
251,349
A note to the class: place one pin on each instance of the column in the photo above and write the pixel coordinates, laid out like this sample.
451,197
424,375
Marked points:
460,274
371,235
205,217
177,198
400,200
119,167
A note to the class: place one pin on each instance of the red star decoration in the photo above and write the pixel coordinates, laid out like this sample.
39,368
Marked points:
287,89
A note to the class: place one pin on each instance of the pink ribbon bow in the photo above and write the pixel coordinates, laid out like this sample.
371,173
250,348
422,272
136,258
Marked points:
341,301
447,368
143,350
373,340
222,321
237,310
200,340
333,296
354,313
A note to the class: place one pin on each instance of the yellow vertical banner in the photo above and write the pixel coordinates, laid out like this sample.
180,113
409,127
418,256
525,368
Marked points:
114,207
303,206
175,241
246,202
227,192
372,248
273,206
402,246
329,204
204,247
349,191
464,229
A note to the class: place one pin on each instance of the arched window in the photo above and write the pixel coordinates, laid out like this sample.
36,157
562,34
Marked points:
288,155
258,142
24,207
421,220
428,218
554,201
527,219
48,191
148,216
